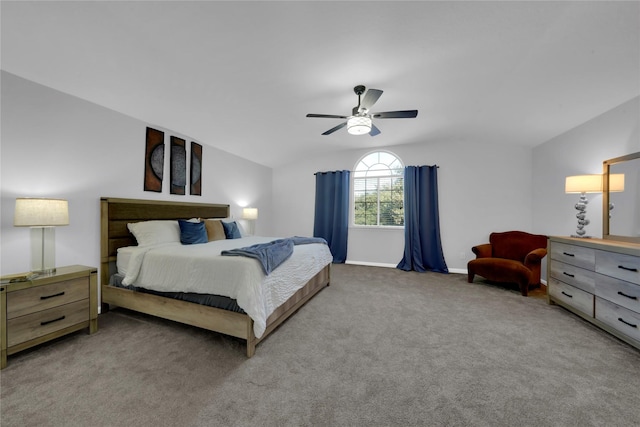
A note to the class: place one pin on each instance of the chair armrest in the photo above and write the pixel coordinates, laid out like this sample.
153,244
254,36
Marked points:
482,251
535,256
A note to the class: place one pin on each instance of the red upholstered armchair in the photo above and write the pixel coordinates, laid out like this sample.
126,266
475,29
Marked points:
510,257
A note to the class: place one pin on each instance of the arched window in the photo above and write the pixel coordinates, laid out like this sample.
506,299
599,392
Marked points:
378,190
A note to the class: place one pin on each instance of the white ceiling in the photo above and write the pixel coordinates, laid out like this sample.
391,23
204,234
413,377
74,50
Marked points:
241,76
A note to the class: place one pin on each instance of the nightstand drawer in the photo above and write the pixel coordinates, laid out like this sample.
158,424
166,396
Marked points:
574,255
25,328
621,266
575,276
619,318
40,298
574,297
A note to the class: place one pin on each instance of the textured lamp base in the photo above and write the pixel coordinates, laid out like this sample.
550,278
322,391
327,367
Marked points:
581,207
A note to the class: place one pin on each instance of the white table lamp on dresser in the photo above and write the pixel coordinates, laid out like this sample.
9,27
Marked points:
583,184
42,215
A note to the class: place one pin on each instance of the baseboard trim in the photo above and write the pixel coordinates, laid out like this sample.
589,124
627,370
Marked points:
451,270
381,264
371,264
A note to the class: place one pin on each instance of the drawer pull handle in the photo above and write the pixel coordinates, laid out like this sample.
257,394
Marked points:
567,254
627,323
54,295
628,296
567,274
628,269
564,293
51,321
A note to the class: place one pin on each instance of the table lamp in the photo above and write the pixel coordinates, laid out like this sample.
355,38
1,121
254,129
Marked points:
42,215
582,184
250,214
589,184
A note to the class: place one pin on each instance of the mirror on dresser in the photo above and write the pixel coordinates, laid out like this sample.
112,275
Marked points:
621,209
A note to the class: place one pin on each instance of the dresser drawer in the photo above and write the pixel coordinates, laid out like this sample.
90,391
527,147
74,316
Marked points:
575,276
571,296
40,298
621,266
618,291
31,326
619,318
574,255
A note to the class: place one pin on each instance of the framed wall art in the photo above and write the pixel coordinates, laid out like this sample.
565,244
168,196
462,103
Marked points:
196,169
154,160
178,166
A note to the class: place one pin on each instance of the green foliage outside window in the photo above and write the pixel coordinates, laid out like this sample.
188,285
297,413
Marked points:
378,191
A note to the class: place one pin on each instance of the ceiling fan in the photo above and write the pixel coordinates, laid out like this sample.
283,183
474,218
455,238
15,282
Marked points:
361,119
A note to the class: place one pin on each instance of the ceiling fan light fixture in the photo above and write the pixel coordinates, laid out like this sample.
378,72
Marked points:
359,125
360,122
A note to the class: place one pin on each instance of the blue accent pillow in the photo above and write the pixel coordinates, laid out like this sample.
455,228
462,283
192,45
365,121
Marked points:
192,232
231,230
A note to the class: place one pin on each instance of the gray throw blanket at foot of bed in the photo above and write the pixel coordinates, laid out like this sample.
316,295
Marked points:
272,254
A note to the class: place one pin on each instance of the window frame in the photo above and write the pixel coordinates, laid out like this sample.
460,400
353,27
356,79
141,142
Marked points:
352,209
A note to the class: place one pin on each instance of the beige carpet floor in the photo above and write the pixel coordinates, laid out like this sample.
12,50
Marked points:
379,347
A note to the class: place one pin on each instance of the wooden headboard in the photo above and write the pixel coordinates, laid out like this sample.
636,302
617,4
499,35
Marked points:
115,214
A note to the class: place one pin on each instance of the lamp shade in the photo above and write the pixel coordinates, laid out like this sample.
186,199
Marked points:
359,125
250,213
41,212
583,184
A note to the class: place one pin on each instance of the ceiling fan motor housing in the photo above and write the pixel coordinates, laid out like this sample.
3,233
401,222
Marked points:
359,90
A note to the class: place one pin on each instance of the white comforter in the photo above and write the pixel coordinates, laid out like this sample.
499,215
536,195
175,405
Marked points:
173,267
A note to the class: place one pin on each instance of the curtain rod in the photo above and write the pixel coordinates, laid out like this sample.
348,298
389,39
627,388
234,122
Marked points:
345,170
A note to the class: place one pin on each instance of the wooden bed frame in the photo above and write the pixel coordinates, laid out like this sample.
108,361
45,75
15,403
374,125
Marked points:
117,213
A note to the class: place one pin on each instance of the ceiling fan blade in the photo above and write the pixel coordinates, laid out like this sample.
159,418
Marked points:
326,116
406,114
374,130
332,130
370,98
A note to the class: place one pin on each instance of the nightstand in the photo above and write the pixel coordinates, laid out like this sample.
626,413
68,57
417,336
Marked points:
46,307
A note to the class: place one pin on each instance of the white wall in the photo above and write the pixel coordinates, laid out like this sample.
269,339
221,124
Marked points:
580,151
57,145
482,188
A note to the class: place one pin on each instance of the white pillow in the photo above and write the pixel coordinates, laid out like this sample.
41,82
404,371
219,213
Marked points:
149,233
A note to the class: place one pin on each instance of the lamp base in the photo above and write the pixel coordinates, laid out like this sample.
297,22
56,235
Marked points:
580,237
43,250
581,207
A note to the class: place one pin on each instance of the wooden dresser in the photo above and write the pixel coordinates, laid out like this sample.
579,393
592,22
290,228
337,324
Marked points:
47,307
598,280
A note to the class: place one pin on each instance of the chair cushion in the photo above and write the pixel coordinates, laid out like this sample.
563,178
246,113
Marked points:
500,270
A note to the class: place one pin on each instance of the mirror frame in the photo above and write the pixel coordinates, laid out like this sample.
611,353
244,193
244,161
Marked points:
605,198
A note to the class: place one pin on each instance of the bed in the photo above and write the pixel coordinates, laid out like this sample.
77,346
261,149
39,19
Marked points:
116,213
